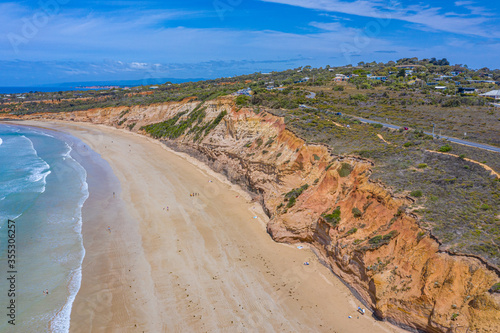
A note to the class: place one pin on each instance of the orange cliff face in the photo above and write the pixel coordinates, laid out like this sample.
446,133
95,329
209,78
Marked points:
357,227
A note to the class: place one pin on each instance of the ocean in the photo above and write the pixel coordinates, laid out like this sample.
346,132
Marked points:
42,191
24,90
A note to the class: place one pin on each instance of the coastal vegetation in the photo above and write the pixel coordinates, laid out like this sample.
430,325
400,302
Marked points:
456,200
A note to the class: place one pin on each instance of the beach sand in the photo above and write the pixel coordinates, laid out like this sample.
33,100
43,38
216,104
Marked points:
204,265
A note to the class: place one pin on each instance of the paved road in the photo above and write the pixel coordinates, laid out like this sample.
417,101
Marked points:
311,94
463,142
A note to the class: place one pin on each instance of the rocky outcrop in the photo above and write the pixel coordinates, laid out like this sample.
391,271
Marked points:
357,227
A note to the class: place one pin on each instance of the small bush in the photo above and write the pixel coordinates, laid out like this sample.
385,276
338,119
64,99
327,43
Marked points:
242,100
485,207
416,193
292,196
422,166
381,240
356,212
352,231
444,149
408,144
316,157
345,170
333,218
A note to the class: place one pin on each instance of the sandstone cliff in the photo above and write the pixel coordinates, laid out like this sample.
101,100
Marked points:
358,228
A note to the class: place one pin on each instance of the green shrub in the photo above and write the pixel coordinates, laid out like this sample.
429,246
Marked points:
124,112
316,157
242,100
269,142
496,287
352,231
485,207
292,196
356,212
422,166
445,148
345,170
416,193
333,218
381,240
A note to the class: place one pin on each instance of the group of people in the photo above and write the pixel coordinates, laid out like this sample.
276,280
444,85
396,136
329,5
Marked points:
194,194
46,292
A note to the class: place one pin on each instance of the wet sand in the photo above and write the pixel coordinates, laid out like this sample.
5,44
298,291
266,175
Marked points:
204,265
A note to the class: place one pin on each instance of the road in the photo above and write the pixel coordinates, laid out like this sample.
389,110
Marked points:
311,95
455,140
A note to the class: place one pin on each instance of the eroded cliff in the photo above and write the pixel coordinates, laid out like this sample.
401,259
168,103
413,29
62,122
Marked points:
357,227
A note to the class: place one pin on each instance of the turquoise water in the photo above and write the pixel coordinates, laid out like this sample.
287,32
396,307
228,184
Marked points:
42,188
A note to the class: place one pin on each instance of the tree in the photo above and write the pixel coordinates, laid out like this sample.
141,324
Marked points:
401,73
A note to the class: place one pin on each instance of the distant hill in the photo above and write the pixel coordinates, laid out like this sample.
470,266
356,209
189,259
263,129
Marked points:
122,83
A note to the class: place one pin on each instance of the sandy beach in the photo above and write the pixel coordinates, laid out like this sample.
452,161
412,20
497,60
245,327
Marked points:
204,264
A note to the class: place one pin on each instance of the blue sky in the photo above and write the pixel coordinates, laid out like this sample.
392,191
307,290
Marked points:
50,41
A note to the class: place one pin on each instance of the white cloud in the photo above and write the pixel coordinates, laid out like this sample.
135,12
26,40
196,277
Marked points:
425,15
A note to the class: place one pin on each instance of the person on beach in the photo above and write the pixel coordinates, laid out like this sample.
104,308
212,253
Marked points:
109,228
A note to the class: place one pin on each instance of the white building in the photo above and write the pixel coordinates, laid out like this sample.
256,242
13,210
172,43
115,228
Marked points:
495,94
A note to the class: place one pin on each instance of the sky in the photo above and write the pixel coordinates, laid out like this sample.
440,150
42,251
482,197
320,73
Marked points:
54,41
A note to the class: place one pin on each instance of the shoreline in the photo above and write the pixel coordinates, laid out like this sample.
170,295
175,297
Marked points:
276,278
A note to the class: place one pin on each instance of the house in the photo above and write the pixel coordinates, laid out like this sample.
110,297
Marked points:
303,80
466,90
340,78
378,78
455,73
244,92
440,87
495,94
482,81
409,66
